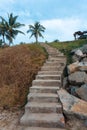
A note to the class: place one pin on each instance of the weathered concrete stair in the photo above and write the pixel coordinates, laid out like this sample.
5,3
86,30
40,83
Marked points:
43,110
43,89
41,82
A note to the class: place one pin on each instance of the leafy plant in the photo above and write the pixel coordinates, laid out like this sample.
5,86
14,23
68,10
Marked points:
36,30
9,28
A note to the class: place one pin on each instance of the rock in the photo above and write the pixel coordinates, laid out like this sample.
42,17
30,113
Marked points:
84,59
82,66
72,106
77,78
74,50
82,92
75,58
79,53
84,49
72,67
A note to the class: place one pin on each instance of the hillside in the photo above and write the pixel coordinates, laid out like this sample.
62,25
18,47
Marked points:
18,67
67,46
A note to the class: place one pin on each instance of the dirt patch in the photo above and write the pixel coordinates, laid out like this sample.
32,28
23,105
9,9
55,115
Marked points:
9,120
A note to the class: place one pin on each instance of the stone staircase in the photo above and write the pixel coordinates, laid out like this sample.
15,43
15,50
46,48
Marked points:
43,110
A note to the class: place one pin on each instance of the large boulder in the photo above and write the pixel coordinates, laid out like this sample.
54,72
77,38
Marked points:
77,78
76,66
72,67
72,106
82,92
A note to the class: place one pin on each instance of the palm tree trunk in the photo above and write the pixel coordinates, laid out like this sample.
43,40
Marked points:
3,39
36,39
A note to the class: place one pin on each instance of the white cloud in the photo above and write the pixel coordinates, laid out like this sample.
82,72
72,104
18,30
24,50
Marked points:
63,29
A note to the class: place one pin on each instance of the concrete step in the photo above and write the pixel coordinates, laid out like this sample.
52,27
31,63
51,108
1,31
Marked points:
43,97
34,107
57,56
53,77
55,62
50,120
51,64
40,128
56,59
52,68
43,89
50,83
49,72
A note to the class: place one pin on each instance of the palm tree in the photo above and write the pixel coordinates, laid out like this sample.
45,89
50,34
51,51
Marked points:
11,26
36,30
2,30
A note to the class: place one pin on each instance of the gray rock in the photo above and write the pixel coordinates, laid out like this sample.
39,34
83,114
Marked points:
84,59
72,106
84,49
82,92
77,78
74,50
75,58
82,66
79,53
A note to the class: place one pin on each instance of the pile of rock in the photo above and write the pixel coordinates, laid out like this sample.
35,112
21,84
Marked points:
76,81
73,95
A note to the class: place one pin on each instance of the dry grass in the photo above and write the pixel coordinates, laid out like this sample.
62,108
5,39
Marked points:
18,67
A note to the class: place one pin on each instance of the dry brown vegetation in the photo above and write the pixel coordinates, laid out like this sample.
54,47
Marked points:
18,67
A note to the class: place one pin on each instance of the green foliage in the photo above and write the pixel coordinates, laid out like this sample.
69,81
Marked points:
9,28
67,46
36,30
56,40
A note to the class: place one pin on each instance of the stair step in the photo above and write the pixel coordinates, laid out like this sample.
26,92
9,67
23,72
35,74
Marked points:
43,89
34,107
43,120
50,83
51,64
56,56
53,77
50,72
43,97
52,68
56,59
41,128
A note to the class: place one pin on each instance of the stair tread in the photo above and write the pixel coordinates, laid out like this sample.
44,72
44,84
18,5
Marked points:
43,95
41,128
57,75
46,80
42,104
45,87
48,117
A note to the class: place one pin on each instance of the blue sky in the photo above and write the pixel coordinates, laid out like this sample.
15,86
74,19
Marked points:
61,18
